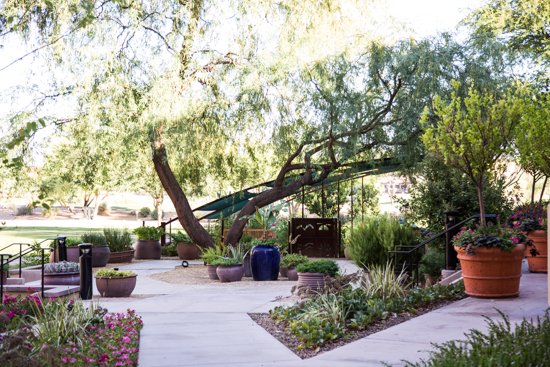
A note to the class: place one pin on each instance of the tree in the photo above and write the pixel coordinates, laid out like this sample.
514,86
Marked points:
472,134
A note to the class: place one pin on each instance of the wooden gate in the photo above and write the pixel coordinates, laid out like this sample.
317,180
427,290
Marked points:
318,237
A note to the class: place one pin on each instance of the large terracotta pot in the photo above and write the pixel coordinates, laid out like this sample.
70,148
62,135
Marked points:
491,272
292,274
62,278
247,266
188,251
212,274
283,271
230,273
73,254
315,281
147,249
539,263
265,262
100,256
346,254
121,257
116,286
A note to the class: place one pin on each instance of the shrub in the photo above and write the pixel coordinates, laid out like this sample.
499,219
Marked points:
320,266
171,250
103,208
133,212
381,282
144,212
118,239
210,254
95,238
154,214
524,344
293,260
432,262
225,262
113,273
180,237
24,210
149,233
50,213
62,267
73,241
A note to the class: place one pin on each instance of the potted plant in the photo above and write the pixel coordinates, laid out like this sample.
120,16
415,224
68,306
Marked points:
532,219
148,243
265,258
115,283
209,256
230,269
312,273
73,253
187,250
62,273
289,264
120,244
100,249
247,242
490,258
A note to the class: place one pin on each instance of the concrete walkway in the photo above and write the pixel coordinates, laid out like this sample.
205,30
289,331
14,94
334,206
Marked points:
189,325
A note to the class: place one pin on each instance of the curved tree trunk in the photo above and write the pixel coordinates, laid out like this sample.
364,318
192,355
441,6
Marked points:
185,214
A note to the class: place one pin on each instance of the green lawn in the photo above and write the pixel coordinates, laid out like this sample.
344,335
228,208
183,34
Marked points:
30,234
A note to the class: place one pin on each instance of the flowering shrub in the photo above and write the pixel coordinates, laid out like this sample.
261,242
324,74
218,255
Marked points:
16,310
503,237
269,240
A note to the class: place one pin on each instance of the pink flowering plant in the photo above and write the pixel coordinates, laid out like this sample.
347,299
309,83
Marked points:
503,237
268,240
530,217
17,310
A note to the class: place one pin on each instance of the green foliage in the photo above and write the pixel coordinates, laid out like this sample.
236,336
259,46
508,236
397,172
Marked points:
113,273
210,254
154,214
473,133
281,235
69,241
118,239
322,266
170,250
148,233
380,282
293,260
247,238
144,212
238,253
24,210
432,262
62,267
225,261
370,241
103,208
503,344
180,237
498,236
95,238
50,213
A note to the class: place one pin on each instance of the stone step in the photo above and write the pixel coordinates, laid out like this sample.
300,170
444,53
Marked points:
452,279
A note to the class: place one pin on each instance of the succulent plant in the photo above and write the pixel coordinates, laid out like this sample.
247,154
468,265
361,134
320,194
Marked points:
61,267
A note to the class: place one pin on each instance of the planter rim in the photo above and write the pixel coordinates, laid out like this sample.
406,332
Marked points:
228,266
119,252
149,240
262,245
537,231
69,273
483,248
115,277
323,274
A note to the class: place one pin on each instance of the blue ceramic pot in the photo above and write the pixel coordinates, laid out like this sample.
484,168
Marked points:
264,261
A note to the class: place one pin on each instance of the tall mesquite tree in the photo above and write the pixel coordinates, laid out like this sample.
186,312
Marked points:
472,134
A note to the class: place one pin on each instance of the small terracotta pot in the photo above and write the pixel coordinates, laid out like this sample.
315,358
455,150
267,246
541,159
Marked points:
212,271
62,278
346,254
230,273
539,263
116,286
121,257
283,271
188,251
147,249
292,274
73,254
315,281
491,272
100,256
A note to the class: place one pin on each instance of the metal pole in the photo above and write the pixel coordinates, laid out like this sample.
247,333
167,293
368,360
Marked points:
221,235
2,277
62,247
303,200
20,261
86,281
163,237
451,260
42,284
323,199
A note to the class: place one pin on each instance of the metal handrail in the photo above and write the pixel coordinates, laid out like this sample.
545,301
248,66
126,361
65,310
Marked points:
422,244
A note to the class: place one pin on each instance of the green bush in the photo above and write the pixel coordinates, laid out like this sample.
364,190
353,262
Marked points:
154,214
113,273
320,266
24,210
103,208
211,254
171,250
369,242
432,262
180,237
149,233
95,238
144,212
293,260
224,261
504,344
118,239
50,213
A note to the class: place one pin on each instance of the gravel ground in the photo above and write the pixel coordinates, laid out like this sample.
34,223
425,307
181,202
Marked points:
295,345
198,275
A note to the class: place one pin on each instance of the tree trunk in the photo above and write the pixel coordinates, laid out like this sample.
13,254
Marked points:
533,191
481,205
185,214
543,188
158,200
96,205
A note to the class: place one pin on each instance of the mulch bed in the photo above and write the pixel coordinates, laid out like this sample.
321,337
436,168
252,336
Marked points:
295,345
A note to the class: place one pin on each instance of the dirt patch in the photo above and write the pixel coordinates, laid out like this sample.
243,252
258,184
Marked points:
295,345
198,275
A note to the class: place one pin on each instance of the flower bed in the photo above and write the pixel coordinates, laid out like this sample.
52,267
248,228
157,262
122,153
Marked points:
59,332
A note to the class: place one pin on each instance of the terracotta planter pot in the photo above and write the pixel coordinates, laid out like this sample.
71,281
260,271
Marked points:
539,263
212,271
315,281
73,254
100,256
292,274
491,273
147,249
346,254
62,278
116,286
230,273
283,271
121,257
247,267
188,251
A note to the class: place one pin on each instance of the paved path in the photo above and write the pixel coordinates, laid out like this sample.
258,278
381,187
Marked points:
208,325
